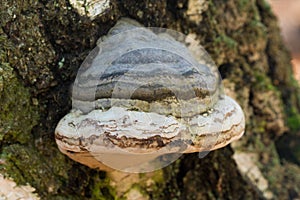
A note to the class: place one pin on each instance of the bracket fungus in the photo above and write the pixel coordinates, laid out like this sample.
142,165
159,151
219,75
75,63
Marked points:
141,99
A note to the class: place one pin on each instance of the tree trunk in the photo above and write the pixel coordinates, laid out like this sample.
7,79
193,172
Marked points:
43,43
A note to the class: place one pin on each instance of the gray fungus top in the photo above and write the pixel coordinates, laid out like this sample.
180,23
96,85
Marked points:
147,67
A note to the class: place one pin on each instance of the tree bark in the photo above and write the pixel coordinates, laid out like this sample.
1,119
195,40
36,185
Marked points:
43,43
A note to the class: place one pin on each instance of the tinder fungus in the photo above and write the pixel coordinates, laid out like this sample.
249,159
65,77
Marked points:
141,99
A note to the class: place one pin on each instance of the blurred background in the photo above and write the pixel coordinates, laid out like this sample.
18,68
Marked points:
288,14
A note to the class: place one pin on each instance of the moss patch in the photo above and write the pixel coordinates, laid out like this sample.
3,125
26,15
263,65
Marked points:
102,190
228,41
263,82
24,165
294,119
53,175
18,116
32,53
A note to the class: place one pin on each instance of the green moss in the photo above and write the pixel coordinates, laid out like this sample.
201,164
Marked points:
243,4
53,175
18,116
228,41
269,161
263,82
293,113
26,165
102,190
158,177
271,166
293,120
30,53
266,6
259,126
258,145
212,8
261,28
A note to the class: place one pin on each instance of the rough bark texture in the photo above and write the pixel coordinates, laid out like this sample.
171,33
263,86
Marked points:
42,44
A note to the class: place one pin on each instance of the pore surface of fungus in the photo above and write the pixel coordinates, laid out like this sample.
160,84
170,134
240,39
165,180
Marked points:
141,99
